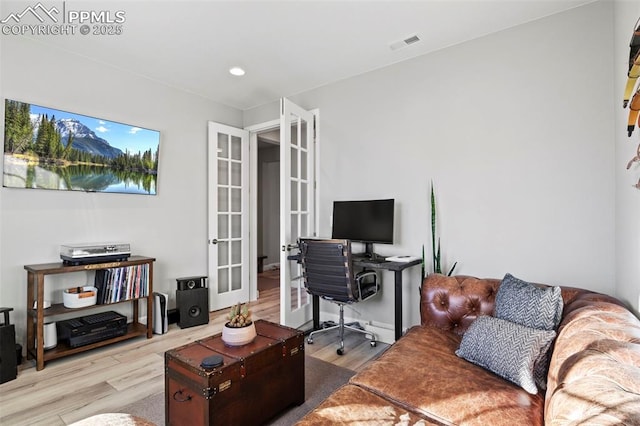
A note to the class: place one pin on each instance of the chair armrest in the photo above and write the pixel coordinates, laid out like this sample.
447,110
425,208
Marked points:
360,275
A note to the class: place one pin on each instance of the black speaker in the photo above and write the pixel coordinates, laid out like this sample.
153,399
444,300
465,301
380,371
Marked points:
193,307
8,356
190,283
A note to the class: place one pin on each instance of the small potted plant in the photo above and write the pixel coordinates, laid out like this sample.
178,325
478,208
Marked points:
240,329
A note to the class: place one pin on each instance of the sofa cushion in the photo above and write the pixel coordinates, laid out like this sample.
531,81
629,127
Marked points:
352,405
508,349
526,304
421,373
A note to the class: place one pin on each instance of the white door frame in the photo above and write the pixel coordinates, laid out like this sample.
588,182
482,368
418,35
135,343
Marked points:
253,200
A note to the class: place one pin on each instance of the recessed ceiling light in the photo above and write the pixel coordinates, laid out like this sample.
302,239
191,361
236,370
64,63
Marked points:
236,71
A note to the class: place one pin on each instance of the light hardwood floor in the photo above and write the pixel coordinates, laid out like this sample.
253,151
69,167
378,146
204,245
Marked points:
109,378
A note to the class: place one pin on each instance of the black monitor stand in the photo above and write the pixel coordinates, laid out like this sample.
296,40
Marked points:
370,255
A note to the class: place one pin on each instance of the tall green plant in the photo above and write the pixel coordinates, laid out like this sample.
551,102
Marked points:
435,247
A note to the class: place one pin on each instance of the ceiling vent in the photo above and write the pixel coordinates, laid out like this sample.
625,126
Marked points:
405,43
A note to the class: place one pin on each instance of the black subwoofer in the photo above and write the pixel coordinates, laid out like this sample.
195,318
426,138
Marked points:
8,356
193,307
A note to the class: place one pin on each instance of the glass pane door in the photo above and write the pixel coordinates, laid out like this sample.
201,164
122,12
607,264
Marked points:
228,216
297,208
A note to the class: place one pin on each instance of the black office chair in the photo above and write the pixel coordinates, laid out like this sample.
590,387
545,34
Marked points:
328,273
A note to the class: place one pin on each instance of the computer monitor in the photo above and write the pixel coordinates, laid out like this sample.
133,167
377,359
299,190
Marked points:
366,221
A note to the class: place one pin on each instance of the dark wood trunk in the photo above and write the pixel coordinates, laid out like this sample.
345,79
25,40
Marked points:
256,381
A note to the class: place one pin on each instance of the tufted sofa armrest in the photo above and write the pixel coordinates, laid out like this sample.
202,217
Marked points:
453,303
594,376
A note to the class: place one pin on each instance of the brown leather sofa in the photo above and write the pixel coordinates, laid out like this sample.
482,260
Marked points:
594,372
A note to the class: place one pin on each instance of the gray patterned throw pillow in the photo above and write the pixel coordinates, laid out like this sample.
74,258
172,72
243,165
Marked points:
505,348
523,303
531,306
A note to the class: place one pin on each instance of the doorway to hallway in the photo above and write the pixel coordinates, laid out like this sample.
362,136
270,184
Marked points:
268,212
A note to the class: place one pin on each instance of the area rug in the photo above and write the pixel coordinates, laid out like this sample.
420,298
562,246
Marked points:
321,379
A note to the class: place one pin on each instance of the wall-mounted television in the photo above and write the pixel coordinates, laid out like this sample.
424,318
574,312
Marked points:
366,221
46,148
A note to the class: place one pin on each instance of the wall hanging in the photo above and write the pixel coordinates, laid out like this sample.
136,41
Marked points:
46,148
633,102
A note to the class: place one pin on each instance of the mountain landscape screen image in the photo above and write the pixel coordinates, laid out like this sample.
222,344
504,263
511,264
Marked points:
45,148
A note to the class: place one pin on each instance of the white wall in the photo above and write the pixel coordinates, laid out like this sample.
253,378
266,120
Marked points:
171,226
269,205
515,131
627,197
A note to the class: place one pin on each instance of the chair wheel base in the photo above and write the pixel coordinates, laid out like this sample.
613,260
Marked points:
373,343
340,351
310,341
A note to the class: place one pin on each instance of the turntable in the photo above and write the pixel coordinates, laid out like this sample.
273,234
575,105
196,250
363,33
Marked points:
82,254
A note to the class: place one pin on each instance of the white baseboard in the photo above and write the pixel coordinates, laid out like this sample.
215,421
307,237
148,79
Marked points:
271,266
385,333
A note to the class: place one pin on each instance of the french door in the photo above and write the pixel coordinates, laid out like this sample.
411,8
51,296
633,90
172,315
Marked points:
297,207
228,177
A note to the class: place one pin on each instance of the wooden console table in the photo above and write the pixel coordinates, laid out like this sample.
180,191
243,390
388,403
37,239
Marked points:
35,317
